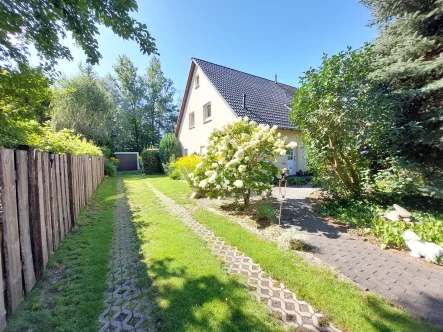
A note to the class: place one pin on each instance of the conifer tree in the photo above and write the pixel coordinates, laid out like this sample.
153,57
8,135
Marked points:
409,67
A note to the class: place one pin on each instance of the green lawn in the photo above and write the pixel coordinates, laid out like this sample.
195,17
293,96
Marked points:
194,292
71,295
348,307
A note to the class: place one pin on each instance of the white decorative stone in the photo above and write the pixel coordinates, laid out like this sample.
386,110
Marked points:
430,251
402,212
393,216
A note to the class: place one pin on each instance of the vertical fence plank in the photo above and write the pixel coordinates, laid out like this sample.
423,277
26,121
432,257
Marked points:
47,203
59,197
54,207
64,188
11,237
21,158
34,215
2,293
71,189
41,204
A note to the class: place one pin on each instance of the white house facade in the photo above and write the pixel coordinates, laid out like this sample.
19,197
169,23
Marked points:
216,95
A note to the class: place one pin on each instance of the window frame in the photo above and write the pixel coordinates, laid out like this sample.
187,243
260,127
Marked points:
197,81
201,149
185,152
193,116
205,107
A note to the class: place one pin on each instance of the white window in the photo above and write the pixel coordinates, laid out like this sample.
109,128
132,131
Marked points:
191,120
291,154
207,112
197,81
202,150
185,152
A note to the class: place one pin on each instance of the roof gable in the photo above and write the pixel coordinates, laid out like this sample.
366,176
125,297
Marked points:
266,101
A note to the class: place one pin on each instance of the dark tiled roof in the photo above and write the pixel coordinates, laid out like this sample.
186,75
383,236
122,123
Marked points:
267,102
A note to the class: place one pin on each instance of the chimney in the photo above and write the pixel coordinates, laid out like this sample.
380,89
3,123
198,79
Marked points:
275,78
244,100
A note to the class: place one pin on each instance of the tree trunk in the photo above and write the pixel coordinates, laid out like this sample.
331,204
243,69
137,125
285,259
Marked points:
246,196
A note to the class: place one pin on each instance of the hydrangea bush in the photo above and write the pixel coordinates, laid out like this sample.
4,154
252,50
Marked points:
240,160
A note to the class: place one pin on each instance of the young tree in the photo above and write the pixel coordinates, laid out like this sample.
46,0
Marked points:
44,23
83,104
169,147
159,102
239,160
408,58
343,117
133,93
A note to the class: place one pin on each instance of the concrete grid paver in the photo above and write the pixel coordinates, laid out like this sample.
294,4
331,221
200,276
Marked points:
282,302
127,306
415,286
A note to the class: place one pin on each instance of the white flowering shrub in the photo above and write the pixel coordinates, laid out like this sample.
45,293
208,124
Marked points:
239,161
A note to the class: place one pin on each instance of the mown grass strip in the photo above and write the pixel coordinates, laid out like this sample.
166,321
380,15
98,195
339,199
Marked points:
194,292
347,306
71,295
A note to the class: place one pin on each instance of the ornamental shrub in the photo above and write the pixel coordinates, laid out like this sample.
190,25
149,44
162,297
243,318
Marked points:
186,165
151,161
169,147
239,160
45,139
111,167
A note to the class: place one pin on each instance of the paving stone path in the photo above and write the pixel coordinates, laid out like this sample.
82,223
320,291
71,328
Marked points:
416,286
127,306
282,302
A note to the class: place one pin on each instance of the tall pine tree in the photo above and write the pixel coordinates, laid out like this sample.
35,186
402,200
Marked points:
409,65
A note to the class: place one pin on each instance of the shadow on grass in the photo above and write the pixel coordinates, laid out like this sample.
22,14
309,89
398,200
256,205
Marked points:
392,316
188,307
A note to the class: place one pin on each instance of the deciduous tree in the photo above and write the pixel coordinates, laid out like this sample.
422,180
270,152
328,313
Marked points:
44,23
344,119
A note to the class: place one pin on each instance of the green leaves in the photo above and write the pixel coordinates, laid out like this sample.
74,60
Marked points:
44,23
343,118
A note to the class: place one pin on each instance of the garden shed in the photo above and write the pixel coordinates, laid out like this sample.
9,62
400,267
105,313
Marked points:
128,161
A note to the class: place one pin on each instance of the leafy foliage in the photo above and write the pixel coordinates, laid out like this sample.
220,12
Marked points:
44,23
265,212
44,138
25,95
151,161
169,148
391,233
186,165
82,103
408,62
366,215
111,167
145,108
296,180
239,160
344,118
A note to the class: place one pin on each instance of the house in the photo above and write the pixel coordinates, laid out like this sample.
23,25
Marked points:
216,95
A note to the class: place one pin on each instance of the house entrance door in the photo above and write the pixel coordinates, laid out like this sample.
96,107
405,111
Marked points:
291,162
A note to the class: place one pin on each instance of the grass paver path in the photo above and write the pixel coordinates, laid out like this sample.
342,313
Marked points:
418,288
127,305
282,302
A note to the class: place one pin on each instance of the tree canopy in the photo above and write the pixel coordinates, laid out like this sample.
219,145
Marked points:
83,104
408,61
343,118
44,24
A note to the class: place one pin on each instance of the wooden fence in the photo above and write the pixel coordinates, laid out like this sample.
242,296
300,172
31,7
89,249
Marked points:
40,200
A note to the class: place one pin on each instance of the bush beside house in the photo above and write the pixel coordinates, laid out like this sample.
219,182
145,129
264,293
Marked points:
151,161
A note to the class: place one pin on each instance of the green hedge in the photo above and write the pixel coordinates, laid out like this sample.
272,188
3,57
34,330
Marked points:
151,161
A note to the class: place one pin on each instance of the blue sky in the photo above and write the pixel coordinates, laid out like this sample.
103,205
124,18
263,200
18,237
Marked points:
258,37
